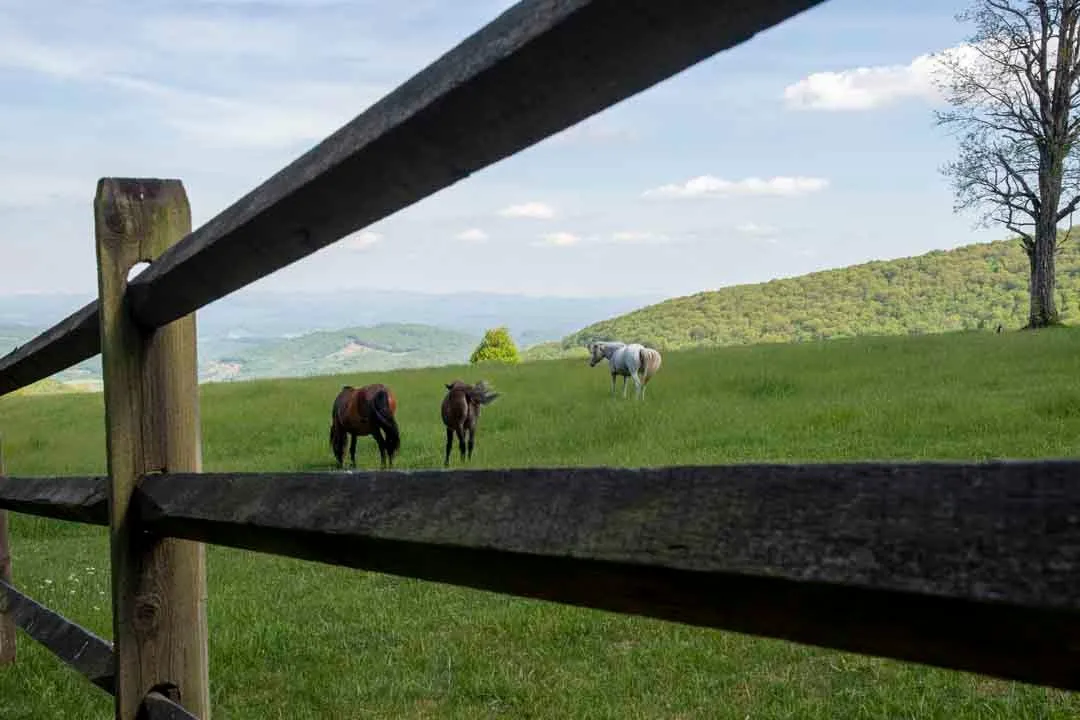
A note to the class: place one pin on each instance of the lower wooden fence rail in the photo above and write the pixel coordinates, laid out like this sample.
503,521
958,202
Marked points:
80,649
969,566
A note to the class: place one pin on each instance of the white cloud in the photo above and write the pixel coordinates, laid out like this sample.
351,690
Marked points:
221,36
361,240
231,107
868,88
707,186
753,228
19,52
311,112
473,235
560,239
638,237
537,210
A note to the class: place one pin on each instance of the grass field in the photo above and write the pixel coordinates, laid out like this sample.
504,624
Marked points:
292,639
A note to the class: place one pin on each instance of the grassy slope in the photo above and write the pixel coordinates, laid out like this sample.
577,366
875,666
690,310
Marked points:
387,346
292,639
967,288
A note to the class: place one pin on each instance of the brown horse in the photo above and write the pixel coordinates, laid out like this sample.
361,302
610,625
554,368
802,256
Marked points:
367,410
461,411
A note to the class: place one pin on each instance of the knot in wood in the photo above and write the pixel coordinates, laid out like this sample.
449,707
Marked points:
147,611
114,219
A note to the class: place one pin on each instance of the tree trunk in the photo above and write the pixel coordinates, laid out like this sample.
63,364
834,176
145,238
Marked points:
1043,311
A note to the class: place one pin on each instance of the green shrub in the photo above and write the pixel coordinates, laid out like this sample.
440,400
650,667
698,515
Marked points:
498,346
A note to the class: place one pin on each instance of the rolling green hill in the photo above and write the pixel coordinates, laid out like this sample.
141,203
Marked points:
968,288
381,347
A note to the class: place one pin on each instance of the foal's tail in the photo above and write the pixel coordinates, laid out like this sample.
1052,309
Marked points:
384,418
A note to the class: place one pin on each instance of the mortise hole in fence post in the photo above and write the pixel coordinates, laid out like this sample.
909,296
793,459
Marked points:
7,622
152,425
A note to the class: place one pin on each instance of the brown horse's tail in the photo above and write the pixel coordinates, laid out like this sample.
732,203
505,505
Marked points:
384,418
337,436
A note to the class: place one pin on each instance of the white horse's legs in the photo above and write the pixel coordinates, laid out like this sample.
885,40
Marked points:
612,384
625,380
640,387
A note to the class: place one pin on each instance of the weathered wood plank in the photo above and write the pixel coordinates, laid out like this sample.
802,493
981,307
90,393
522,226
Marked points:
78,499
7,620
69,342
152,425
540,67
79,648
158,707
969,566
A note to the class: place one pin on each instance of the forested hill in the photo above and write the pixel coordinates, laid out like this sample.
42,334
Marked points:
975,286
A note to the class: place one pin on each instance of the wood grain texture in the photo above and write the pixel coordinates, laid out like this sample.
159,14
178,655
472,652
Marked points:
968,566
69,342
540,67
78,499
152,426
79,648
7,620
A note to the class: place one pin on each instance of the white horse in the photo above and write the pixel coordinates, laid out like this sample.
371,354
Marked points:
631,361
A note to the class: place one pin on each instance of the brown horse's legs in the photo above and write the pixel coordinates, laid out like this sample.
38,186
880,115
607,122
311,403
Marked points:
449,445
381,442
472,440
461,441
337,443
352,449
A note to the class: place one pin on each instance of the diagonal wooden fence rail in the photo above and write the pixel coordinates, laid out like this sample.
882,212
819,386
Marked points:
965,566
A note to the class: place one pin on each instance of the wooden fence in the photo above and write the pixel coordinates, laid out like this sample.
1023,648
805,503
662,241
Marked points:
971,566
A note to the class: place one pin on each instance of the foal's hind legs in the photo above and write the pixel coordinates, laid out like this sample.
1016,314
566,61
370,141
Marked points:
461,442
449,445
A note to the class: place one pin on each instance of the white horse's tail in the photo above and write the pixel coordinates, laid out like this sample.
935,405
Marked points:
650,362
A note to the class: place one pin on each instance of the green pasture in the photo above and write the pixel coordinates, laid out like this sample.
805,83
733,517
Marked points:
293,639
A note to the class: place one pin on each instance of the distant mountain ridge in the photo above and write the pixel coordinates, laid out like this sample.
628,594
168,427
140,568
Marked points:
382,347
971,287
263,334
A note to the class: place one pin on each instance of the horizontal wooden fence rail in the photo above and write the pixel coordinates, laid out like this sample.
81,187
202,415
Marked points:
967,566
80,649
78,499
69,342
537,69
156,706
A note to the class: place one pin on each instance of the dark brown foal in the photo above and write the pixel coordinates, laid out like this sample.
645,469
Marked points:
460,413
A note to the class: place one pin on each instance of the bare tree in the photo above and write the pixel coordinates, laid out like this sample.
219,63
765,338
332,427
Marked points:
1013,91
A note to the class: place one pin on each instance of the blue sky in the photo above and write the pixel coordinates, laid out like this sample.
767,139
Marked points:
773,159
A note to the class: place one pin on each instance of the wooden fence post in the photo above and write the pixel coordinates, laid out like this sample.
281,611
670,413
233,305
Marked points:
152,426
7,622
